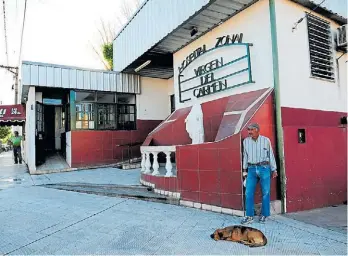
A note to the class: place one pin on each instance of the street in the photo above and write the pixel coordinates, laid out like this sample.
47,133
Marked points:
40,220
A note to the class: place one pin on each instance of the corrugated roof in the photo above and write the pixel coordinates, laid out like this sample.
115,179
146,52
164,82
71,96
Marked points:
330,14
205,19
69,77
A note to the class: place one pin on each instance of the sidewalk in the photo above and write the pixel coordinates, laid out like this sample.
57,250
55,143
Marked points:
332,218
11,174
38,220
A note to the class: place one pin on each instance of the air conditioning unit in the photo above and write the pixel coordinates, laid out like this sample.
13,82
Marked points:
341,36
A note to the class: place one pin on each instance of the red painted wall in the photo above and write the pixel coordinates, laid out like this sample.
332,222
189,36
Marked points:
210,173
316,170
174,133
265,117
90,148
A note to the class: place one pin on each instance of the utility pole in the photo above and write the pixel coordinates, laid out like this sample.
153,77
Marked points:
14,71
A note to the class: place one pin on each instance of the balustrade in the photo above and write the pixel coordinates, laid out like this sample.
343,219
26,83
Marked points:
147,166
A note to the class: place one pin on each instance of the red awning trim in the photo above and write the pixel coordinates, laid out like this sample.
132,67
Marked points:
12,113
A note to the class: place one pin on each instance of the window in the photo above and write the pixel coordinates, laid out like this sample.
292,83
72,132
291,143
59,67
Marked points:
103,97
126,98
40,125
126,117
105,111
320,48
85,116
107,116
62,124
172,103
85,96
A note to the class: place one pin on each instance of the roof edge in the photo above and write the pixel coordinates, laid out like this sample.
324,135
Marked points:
67,67
130,20
322,10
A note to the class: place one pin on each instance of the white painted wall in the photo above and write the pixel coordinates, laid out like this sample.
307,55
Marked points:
298,89
58,129
30,124
170,84
152,103
38,96
68,148
254,23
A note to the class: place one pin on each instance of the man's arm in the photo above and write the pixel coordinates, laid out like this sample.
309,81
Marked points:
272,161
245,156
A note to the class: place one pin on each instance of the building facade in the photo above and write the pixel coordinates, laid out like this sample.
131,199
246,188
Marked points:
87,117
277,63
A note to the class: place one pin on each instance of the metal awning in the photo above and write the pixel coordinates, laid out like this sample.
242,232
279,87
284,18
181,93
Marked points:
68,77
12,115
208,15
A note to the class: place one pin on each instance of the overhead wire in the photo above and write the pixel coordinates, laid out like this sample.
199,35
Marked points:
5,30
21,42
300,20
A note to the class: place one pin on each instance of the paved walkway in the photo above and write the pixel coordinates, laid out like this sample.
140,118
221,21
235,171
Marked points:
11,174
333,218
38,220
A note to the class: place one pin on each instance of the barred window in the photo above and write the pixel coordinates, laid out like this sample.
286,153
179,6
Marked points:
107,116
105,111
320,48
126,117
85,116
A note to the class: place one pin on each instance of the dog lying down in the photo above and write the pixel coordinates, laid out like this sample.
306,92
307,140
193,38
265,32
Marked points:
251,237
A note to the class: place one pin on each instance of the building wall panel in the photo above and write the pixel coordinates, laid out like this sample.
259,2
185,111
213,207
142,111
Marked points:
143,32
254,23
298,88
50,75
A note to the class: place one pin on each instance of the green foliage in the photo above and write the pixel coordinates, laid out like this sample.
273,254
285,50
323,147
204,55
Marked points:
108,54
5,133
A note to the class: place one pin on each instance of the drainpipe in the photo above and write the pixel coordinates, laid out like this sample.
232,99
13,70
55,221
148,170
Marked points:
279,128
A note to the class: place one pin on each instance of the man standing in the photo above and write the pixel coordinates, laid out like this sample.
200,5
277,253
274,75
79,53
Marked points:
16,144
258,162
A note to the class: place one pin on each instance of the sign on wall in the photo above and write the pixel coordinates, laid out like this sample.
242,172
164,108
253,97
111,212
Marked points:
207,71
12,113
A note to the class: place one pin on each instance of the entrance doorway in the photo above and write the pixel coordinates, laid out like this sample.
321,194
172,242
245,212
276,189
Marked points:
51,128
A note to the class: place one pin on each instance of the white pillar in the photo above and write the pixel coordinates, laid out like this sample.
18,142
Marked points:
30,131
147,163
169,165
155,165
143,161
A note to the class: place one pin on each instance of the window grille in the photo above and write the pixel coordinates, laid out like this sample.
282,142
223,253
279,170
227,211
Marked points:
320,48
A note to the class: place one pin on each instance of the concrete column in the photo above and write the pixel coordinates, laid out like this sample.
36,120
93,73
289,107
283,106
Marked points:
30,130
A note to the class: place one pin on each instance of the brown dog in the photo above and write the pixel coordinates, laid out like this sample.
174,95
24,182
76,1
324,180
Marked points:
251,237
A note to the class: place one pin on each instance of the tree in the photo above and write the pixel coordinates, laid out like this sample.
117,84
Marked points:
107,32
5,133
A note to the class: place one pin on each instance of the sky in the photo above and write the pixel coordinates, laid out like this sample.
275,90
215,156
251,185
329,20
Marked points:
62,32
56,31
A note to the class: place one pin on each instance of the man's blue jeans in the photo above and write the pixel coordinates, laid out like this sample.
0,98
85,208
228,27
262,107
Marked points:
264,173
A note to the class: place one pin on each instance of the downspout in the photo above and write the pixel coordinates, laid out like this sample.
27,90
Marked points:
72,110
279,128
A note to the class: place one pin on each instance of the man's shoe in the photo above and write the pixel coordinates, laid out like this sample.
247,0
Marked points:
262,219
247,220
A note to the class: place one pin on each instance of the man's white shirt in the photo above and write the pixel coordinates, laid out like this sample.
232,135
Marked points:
258,151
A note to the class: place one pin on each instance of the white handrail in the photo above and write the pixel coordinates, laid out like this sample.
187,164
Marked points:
155,150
